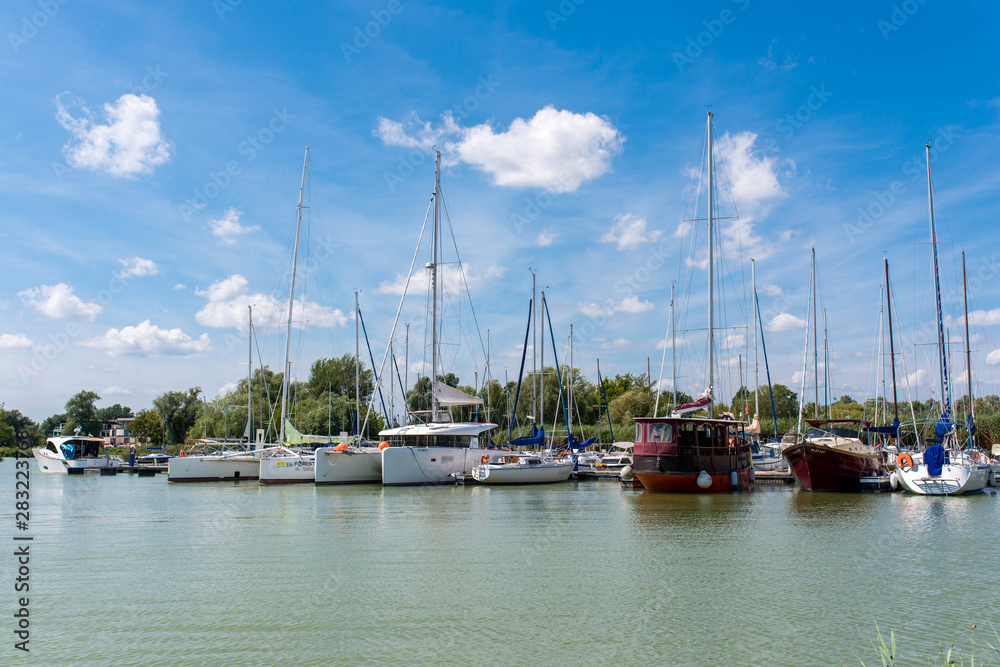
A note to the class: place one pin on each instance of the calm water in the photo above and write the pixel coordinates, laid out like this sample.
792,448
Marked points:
130,571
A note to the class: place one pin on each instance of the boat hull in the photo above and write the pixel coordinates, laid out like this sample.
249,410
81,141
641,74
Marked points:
520,474
49,462
212,469
821,468
687,482
409,466
348,467
287,469
954,480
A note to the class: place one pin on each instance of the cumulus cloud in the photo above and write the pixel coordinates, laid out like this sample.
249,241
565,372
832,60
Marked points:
630,304
58,301
227,302
771,290
993,358
14,342
115,390
228,226
629,232
976,318
137,267
917,378
128,143
753,179
547,238
149,340
785,322
452,280
555,149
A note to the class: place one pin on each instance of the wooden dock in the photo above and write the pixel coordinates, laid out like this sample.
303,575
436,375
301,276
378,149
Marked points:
142,471
773,477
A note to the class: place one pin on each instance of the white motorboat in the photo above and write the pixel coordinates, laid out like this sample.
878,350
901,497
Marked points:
514,469
80,452
435,453
348,464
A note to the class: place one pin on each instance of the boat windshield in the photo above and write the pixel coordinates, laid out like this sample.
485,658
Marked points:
839,431
426,440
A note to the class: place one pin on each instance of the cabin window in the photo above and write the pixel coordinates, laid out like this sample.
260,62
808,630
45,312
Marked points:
638,433
661,433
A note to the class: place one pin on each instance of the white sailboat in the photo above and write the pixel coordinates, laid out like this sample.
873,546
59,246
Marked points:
943,468
439,451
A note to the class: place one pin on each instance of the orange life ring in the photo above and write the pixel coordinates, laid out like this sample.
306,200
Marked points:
904,461
484,459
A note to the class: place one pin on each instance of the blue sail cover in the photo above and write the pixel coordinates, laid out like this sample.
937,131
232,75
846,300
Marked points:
535,441
886,430
575,444
943,427
934,458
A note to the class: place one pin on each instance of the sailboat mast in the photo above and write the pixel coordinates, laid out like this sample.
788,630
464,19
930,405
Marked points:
250,375
291,300
756,381
357,368
968,354
711,270
826,367
534,350
673,346
569,385
945,402
541,378
434,289
815,347
892,348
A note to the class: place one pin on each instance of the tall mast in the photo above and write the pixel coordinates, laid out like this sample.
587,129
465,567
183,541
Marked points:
711,268
406,373
534,350
291,300
541,378
434,288
892,348
968,355
250,376
673,347
815,347
753,283
826,368
357,369
945,398
569,385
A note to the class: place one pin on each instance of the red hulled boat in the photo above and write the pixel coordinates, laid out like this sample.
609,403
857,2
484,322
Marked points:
678,454
833,457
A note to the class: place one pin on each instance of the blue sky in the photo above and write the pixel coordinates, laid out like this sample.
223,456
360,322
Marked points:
151,157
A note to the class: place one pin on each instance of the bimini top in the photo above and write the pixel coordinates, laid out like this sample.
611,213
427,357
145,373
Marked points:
687,420
847,421
435,429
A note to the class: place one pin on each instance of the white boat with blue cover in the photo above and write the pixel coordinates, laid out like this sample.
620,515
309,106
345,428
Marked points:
81,452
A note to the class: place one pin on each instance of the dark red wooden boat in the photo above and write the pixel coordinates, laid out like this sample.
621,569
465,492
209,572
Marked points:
833,457
678,454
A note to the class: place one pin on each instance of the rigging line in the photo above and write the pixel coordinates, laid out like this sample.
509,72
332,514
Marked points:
461,268
395,321
902,353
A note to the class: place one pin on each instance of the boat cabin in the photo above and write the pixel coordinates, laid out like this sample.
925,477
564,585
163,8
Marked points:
79,447
842,428
676,436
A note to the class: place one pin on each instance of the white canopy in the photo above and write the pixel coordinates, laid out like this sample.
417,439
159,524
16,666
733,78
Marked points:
446,396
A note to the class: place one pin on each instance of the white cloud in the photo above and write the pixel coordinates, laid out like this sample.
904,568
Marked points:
785,322
58,301
547,238
228,226
993,358
771,290
137,266
629,232
14,342
115,390
734,341
917,378
612,344
452,281
226,388
630,304
976,318
556,150
179,287
753,179
149,340
228,300
128,144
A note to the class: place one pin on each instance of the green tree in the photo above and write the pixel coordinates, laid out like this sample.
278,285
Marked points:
337,375
147,427
113,412
180,411
81,413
